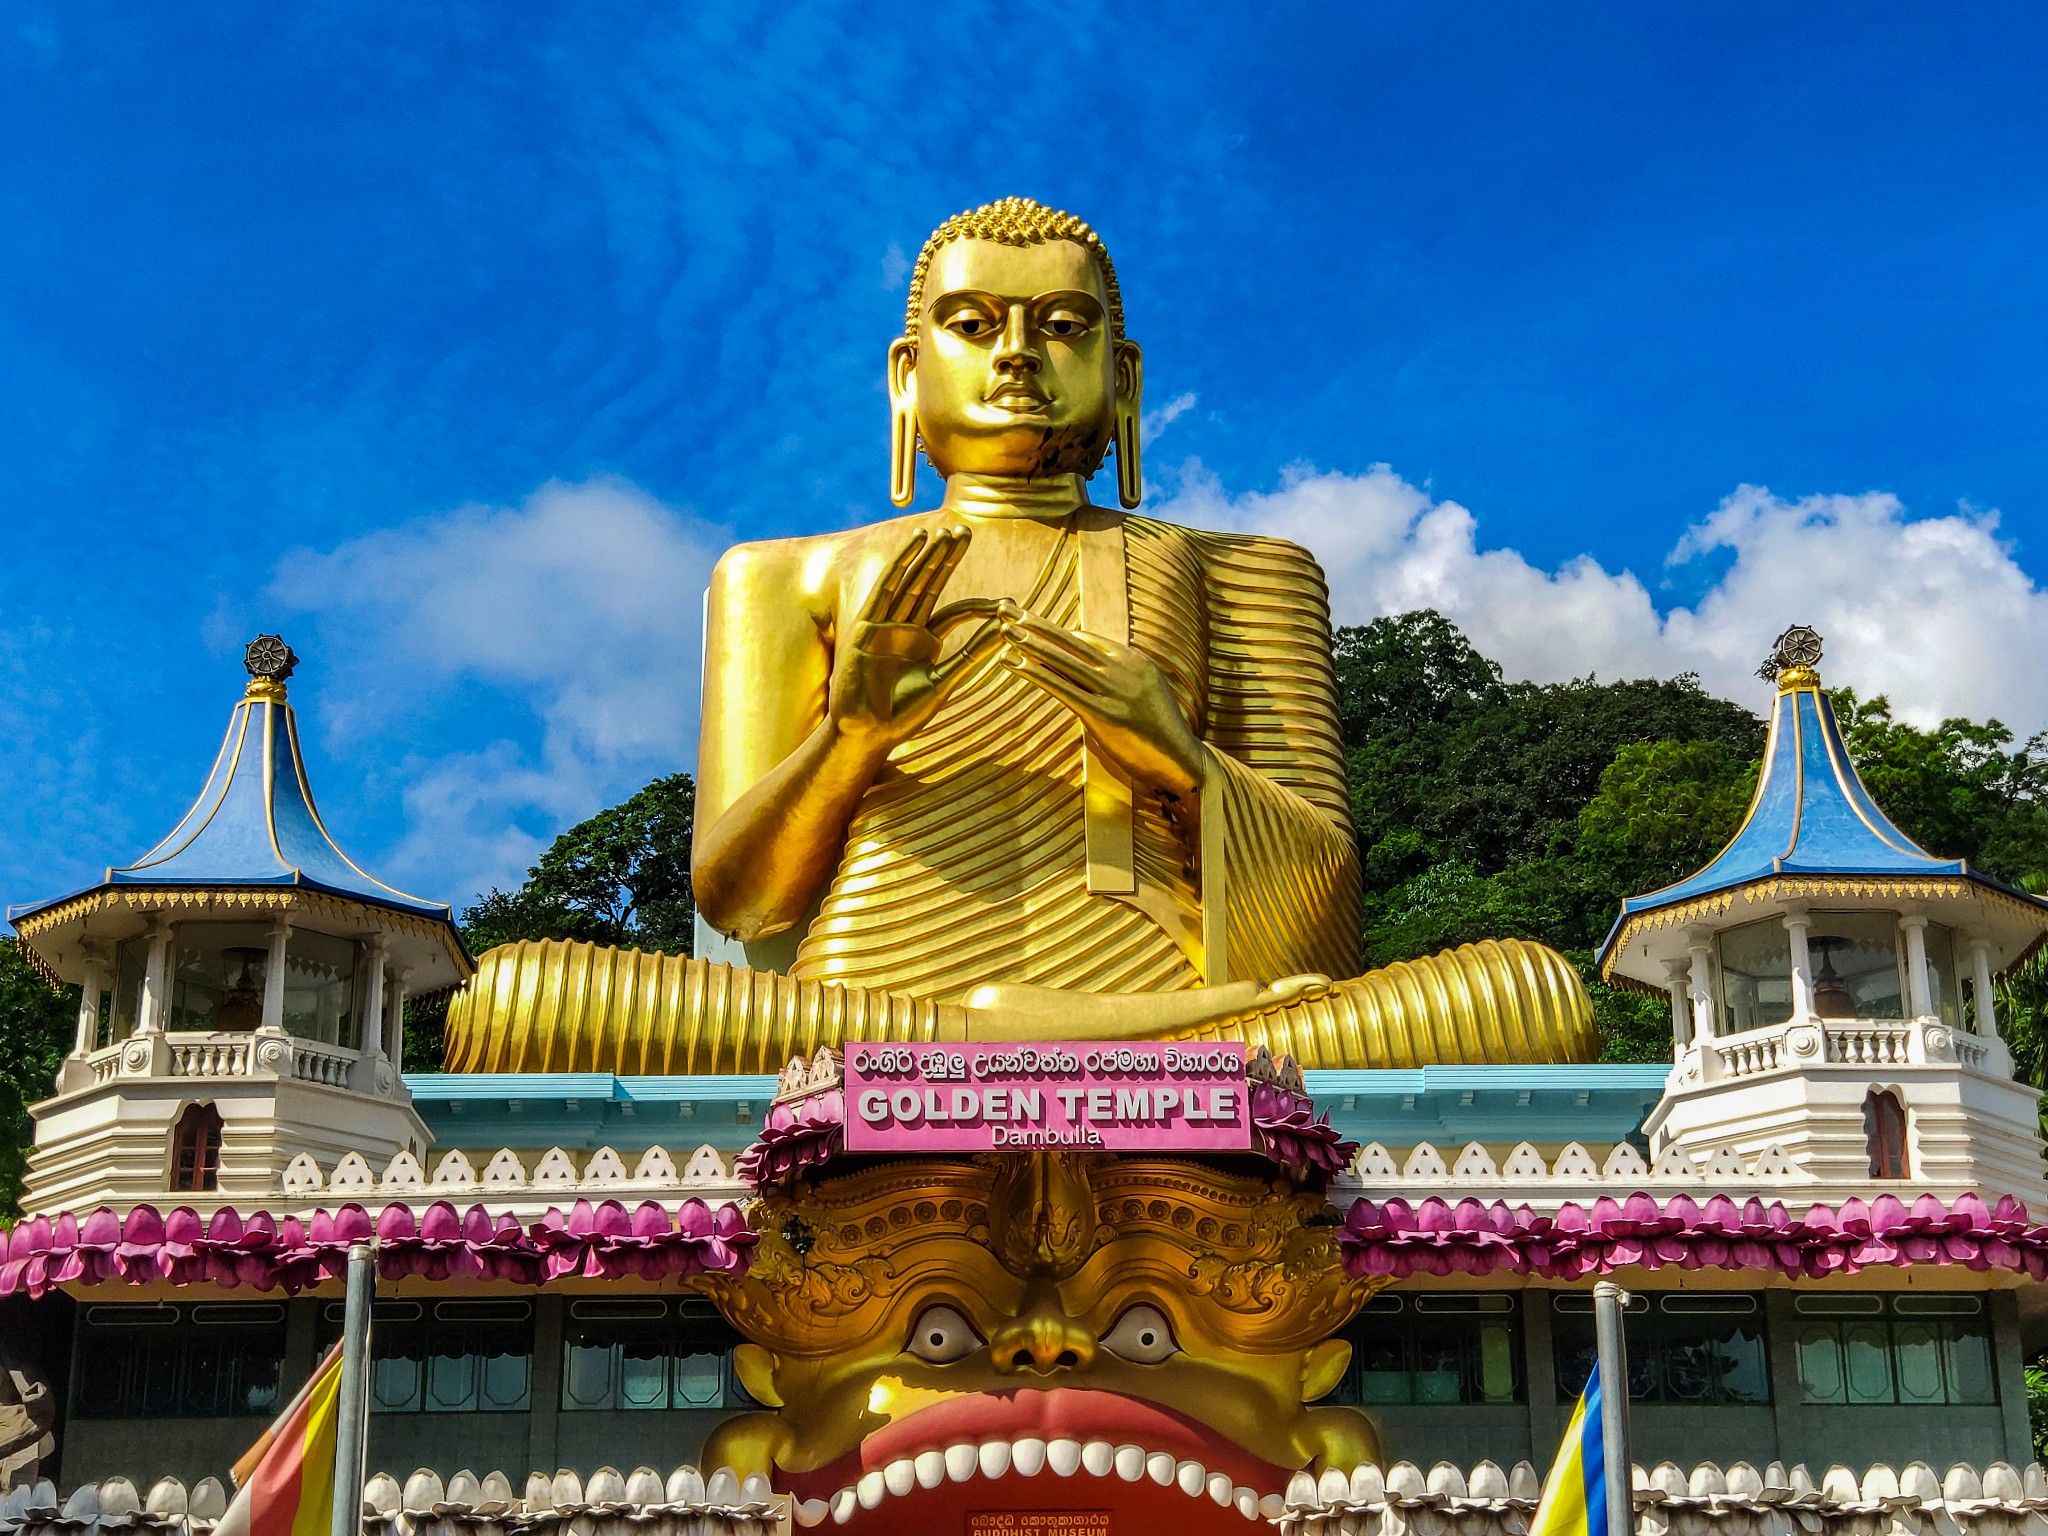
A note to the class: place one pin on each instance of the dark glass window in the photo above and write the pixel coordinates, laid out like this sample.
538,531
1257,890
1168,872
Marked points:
1431,1347
207,1360
217,971
646,1353
1913,1348
324,980
1884,1134
1684,1347
131,964
469,1356
195,1149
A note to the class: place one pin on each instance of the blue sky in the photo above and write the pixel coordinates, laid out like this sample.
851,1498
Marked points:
454,341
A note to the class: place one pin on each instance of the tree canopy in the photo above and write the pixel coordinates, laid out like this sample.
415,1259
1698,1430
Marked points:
37,1023
622,877
1486,807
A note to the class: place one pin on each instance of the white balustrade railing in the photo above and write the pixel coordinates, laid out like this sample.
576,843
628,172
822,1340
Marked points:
328,1065
209,1055
216,1055
1867,1044
1746,1056
1801,1044
685,1503
1740,1499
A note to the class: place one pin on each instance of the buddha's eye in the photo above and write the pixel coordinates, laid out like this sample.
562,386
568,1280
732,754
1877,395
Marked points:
968,322
1065,325
941,1335
1141,1336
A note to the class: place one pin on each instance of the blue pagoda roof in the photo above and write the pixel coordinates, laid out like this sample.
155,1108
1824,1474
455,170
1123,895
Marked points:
255,822
1810,815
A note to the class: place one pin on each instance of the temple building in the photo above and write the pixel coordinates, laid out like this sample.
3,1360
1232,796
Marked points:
1027,1148
1828,1207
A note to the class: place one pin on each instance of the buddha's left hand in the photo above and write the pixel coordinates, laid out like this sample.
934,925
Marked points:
1120,696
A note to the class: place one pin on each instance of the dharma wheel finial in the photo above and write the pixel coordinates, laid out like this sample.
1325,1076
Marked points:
1793,659
270,661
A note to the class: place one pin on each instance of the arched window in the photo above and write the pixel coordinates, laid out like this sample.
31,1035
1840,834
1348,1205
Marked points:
1884,1134
195,1149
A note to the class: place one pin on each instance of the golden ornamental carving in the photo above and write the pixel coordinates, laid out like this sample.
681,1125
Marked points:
1039,1257
1719,904
1041,1213
191,901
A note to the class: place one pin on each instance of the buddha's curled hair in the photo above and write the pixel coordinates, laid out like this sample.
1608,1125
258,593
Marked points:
1014,221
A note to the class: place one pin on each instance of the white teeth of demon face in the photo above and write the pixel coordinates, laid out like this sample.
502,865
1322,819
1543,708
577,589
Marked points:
1029,1457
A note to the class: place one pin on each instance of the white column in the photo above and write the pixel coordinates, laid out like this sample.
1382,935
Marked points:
1681,1008
370,1006
156,979
90,992
1702,974
394,1016
1919,996
273,974
1799,925
1980,985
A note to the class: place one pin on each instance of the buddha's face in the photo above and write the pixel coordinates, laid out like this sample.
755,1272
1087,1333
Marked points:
1014,371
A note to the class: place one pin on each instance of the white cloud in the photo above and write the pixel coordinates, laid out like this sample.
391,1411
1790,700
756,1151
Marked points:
1933,611
1152,423
895,268
583,605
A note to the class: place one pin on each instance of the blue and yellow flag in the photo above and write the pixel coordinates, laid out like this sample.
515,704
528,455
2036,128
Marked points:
1575,1494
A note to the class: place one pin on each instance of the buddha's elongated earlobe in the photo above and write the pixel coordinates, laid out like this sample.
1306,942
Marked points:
1130,390
902,421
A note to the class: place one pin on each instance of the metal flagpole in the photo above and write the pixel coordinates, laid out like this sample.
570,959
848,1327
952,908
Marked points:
1612,1344
352,1423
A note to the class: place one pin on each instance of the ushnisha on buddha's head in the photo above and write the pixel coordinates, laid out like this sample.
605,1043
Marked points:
1013,363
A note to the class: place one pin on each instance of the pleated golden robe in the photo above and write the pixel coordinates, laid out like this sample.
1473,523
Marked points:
996,847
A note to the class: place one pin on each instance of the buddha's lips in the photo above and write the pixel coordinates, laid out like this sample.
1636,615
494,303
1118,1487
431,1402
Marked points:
1056,1413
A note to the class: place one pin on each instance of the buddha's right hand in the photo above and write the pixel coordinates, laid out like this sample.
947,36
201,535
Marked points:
887,676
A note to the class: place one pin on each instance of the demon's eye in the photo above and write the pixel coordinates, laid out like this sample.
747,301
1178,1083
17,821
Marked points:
1142,1336
941,1335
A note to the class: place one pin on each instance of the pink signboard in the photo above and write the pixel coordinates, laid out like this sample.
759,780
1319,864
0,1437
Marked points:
1142,1096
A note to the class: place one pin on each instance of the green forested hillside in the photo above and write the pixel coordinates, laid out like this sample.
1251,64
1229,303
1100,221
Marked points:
1485,807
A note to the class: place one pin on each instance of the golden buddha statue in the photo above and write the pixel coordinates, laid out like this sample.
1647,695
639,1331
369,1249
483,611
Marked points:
1019,766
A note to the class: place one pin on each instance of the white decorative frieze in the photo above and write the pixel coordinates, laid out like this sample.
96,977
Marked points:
1740,1500
554,1178
1525,1176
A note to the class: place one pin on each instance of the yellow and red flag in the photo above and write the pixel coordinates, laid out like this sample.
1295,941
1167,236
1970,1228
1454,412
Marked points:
285,1481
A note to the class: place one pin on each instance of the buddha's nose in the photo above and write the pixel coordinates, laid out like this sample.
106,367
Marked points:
1042,1339
1017,354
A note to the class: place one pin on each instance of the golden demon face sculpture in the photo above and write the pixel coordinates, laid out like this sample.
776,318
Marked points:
1136,1337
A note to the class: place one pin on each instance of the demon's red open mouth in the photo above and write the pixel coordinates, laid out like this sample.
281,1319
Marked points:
1030,1449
